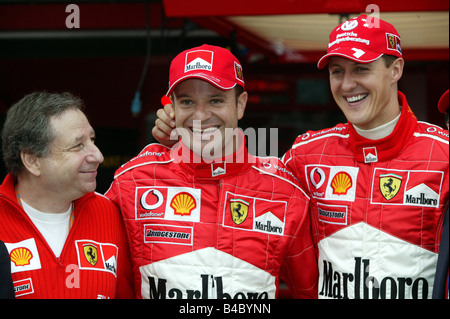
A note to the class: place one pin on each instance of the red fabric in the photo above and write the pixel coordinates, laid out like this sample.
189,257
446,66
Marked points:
203,252
97,225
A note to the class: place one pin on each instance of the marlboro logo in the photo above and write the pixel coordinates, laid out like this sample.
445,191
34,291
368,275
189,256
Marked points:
199,60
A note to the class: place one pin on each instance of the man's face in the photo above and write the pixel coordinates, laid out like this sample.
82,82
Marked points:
71,166
365,93
204,112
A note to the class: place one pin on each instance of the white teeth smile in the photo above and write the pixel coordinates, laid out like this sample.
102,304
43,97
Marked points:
356,98
206,130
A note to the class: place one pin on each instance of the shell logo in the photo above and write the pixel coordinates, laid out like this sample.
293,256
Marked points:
183,204
341,183
21,256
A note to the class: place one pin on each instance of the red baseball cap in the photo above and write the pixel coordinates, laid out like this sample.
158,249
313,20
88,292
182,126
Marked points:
443,102
362,39
211,63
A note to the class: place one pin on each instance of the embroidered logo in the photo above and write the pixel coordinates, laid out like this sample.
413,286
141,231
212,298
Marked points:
199,60
341,183
390,184
183,204
239,210
370,155
21,256
90,253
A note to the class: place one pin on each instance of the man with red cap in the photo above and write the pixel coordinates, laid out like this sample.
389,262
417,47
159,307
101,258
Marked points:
206,219
379,183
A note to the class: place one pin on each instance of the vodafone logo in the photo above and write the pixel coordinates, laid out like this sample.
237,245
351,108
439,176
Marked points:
349,25
317,177
151,199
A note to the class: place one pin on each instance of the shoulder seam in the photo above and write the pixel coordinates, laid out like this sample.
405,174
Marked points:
284,179
318,138
141,164
416,134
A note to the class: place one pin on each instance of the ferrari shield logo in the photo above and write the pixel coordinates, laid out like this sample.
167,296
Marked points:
391,40
91,254
239,210
390,185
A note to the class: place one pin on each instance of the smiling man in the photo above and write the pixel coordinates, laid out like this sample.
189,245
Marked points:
206,117
209,103
206,219
379,183
64,240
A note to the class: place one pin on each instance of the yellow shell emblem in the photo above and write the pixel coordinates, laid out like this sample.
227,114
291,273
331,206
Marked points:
341,183
183,204
21,256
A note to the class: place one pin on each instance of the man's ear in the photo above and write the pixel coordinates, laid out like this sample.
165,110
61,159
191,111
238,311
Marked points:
31,163
397,69
241,104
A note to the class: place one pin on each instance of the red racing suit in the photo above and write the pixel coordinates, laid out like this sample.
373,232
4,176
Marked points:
376,206
95,260
214,230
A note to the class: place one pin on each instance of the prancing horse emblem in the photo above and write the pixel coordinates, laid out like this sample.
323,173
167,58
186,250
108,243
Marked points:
239,210
91,254
390,185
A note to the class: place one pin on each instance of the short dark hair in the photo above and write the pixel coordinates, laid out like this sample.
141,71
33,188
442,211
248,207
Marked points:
389,59
27,126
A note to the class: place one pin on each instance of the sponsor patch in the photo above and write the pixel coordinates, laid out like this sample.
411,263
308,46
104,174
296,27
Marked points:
23,287
332,214
390,185
393,42
97,256
410,188
421,195
239,210
199,60
169,203
332,182
167,234
238,70
370,154
254,214
183,204
24,255
218,169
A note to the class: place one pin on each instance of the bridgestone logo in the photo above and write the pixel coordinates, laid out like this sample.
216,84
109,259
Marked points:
167,234
330,214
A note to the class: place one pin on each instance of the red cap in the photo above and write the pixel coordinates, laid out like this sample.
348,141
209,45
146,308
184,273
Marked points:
443,102
363,39
211,63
